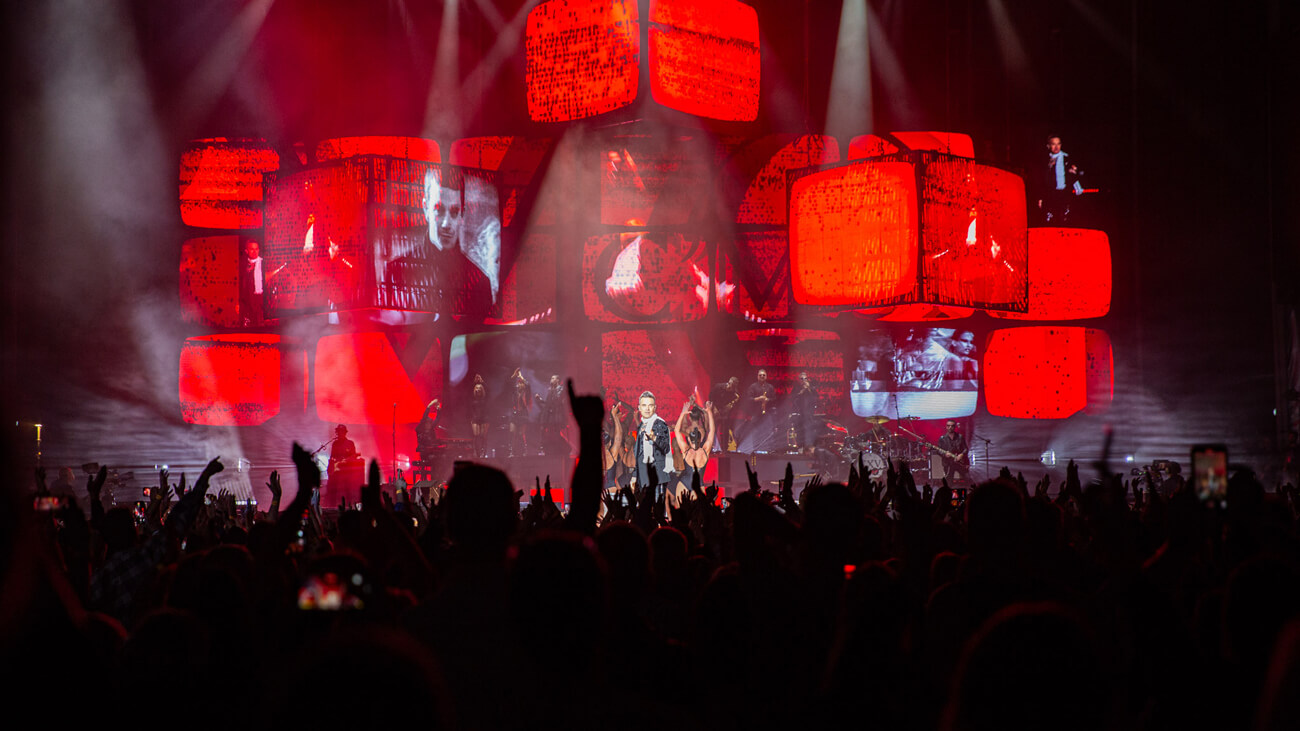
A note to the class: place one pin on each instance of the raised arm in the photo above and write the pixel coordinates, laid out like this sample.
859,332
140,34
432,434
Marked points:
677,428
713,432
616,446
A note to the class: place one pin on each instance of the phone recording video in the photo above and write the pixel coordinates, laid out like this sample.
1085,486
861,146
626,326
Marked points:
1210,473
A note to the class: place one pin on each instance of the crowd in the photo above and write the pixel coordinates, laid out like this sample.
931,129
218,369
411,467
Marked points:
1096,605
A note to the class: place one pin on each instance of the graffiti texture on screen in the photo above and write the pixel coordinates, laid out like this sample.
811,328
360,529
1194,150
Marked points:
645,277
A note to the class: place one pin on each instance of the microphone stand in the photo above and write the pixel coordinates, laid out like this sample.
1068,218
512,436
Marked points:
987,443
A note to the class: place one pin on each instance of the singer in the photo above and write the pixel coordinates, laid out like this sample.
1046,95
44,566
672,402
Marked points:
652,445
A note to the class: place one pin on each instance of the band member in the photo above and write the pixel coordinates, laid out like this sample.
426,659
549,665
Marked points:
760,394
653,446
552,418
953,449
726,400
250,286
426,432
803,407
521,404
478,416
695,439
346,468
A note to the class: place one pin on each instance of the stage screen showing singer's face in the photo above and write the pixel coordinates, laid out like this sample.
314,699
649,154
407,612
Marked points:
925,372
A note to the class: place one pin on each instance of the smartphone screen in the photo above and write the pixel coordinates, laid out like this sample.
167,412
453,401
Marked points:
1210,473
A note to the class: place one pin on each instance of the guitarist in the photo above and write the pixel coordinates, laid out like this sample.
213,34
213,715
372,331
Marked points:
953,449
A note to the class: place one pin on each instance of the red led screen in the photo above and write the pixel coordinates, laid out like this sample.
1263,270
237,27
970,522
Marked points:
221,182
314,250
754,276
528,292
663,362
515,160
645,277
408,148
583,58
230,380
853,234
756,183
920,312
210,280
1048,372
651,181
973,243
1069,276
359,376
704,58
946,142
922,372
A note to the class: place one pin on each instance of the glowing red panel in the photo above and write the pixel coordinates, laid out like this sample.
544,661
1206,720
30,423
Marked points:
754,276
359,376
785,353
1069,276
645,277
973,244
949,143
918,312
661,361
655,181
230,380
1048,372
704,58
757,184
582,58
528,292
209,280
853,234
221,182
408,148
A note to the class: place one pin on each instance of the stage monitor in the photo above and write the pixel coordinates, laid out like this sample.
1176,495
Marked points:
583,58
230,380
221,182
704,58
644,277
376,377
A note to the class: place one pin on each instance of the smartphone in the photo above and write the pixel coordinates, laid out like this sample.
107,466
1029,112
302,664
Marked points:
1210,473
50,503
331,593
958,497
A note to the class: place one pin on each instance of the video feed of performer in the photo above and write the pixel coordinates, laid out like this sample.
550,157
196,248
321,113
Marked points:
921,372
645,277
506,392
315,232
437,240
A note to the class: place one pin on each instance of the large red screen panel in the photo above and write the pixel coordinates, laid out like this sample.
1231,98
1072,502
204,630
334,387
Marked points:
645,277
230,380
663,362
583,58
359,376
407,148
1069,275
221,182
919,312
949,143
704,58
655,181
209,280
756,182
754,276
973,244
1048,372
853,234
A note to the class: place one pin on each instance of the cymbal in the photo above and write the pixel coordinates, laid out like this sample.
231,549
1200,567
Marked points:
909,418
877,419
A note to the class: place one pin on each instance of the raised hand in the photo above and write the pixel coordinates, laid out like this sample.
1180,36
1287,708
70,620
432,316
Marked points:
180,488
588,411
273,484
95,482
754,487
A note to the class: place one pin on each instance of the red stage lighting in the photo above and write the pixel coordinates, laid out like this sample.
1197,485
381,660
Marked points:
583,58
853,234
359,376
758,184
1048,372
221,182
230,380
209,280
754,276
407,148
661,361
1069,277
949,143
645,276
528,292
704,58
918,313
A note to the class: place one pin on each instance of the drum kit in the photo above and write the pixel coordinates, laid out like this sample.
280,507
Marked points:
878,447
